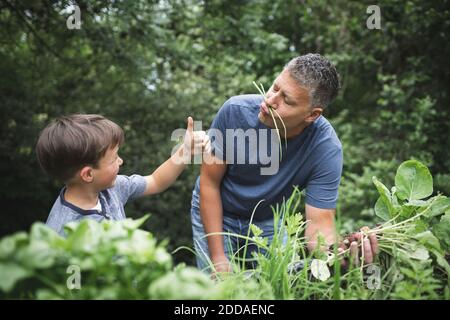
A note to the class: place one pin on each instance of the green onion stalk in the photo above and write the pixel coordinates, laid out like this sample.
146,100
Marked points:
271,111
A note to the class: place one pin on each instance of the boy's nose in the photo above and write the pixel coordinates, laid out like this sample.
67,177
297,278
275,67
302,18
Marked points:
120,161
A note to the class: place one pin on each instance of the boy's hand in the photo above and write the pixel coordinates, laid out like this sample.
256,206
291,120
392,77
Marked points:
195,142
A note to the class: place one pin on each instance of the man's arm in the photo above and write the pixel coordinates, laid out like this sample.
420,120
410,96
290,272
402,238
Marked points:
320,221
211,211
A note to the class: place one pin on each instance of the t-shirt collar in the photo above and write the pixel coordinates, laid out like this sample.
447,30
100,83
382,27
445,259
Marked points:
82,211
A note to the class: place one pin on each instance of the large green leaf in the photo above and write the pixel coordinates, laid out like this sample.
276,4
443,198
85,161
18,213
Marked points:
419,253
441,261
413,181
40,231
84,236
381,210
134,224
9,244
407,211
38,254
432,244
442,230
439,206
10,273
429,241
386,199
183,283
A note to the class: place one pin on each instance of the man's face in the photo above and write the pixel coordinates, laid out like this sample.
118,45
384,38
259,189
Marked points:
292,103
106,173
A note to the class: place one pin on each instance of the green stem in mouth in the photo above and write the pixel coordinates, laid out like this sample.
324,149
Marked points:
278,131
271,111
284,127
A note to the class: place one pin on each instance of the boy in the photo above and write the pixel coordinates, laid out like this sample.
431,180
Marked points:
82,151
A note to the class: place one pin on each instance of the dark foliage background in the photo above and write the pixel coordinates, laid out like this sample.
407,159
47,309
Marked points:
149,64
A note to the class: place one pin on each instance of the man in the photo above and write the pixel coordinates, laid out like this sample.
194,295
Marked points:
227,191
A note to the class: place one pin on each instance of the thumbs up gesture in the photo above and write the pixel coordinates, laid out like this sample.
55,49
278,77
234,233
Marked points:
195,142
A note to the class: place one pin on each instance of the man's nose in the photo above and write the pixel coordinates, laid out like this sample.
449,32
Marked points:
272,100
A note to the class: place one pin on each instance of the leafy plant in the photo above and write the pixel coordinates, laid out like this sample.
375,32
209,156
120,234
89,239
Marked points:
413,239
416,225
117,260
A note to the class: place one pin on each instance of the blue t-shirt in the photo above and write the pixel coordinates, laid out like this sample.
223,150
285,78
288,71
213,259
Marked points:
112,201
312,161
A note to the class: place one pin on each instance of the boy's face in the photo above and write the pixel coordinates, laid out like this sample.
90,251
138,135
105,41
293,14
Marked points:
106,172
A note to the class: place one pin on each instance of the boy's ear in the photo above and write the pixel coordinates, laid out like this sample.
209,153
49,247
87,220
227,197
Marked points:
86,174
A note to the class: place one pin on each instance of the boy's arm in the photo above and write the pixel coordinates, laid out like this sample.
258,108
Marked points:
166,174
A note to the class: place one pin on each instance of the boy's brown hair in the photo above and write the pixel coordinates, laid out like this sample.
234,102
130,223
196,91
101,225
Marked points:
71,142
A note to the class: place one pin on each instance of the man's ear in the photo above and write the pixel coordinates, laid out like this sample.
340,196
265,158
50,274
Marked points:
315,113
86,174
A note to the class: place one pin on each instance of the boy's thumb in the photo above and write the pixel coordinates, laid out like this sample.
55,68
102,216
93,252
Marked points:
190,126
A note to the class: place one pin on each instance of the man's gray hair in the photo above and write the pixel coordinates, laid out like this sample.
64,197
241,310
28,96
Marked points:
317,74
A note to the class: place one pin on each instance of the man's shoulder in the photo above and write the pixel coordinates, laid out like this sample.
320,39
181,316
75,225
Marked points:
327,136
244,100
240,111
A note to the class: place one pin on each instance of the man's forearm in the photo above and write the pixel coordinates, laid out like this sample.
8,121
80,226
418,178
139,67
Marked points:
212,217
312,233
320,221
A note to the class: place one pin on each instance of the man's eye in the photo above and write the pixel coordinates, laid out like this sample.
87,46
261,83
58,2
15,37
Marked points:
275,89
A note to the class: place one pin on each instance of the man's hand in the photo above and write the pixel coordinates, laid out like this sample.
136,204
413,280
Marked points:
195,142
221,265
359,244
